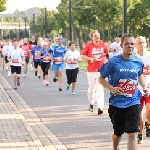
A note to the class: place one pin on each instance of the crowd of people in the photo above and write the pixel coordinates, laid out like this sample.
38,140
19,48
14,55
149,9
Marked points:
44,55
123,67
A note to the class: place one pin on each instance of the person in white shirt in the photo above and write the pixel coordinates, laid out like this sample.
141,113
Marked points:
72,57
5,54
16,56
145,101
115,47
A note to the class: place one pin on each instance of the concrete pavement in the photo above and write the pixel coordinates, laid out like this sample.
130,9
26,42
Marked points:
56,120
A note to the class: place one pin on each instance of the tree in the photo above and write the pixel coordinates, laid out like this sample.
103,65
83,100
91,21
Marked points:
2,5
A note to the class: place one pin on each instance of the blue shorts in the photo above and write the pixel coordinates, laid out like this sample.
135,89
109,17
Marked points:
57,67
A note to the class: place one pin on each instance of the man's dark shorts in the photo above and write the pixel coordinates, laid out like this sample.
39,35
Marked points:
27,60
125,119
16,69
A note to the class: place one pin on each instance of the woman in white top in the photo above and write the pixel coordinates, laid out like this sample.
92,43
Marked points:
72,57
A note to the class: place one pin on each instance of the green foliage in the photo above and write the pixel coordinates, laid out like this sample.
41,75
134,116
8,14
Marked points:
2,5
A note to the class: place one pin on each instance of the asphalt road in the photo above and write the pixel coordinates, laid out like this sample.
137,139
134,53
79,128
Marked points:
67,115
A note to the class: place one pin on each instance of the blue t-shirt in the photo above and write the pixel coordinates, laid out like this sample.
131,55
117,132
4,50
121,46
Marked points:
35,50
58,53
45,53
123,73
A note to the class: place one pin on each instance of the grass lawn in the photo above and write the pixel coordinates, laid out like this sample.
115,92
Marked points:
83,64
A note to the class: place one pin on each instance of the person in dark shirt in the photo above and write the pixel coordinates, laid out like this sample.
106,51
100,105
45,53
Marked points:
33,41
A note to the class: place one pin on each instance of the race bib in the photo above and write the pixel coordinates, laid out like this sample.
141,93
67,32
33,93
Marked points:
46,59
97,53
146,70
58,60
15,61
36,55
128,87
26,53
73,62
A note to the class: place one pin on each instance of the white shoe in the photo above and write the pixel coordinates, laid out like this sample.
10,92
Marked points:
9,73
24,75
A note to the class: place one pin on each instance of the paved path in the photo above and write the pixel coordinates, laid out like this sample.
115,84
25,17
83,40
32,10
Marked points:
53,120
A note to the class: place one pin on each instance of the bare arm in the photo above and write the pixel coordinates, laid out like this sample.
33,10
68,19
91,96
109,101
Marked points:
88,58
143,85
105,84
142,81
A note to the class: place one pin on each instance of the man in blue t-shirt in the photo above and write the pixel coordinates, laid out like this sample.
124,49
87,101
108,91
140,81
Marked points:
35,59
124,71
58,52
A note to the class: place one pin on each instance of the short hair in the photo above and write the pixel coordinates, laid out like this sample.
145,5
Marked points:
126,35
91,34
140,37
15,40
70,43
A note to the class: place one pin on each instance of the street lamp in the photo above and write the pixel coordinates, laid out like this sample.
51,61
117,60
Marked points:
124,20
25,19
70,20
45,26
33,23
19,31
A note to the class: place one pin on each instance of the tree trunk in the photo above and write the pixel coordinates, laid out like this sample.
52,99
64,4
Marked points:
81,43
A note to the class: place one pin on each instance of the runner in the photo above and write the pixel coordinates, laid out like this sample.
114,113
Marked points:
5,54
55,41
125,71
115,47
95,53
33,41
16,57
37,60
44,54
57,55
26,47
72,57
142,52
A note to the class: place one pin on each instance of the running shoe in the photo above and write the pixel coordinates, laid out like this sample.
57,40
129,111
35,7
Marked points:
44,83
60,88
54,79
147,127
18,82
140,139
39,77
73,93
9,74
47,83
24,75
35,73
67,88
100,111
91,108
15,87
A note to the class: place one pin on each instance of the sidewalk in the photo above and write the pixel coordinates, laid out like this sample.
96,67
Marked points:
20,128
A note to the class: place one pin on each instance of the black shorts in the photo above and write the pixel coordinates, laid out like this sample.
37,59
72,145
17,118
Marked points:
27,60
125,119
16,69
45,67
6,59
36,64
72,75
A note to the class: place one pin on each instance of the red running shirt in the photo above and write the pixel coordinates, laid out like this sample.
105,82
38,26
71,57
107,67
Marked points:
26,49
99,52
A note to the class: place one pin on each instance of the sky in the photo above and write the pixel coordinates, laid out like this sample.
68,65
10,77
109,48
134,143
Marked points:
25,4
